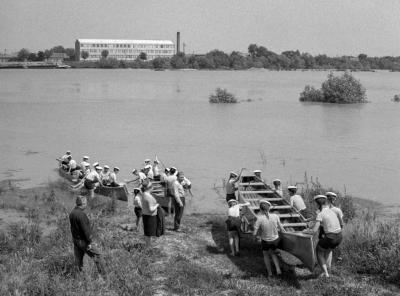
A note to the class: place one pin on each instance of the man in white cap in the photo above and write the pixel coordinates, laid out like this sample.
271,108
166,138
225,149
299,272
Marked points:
64,159
92,180
178,200
72,166
148,171
258,177
277,187
113,177
266,228
95,164
332,233
230,186
297,202
233,225
141,177
85,160
105,176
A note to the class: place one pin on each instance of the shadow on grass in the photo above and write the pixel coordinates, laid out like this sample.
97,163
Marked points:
250,260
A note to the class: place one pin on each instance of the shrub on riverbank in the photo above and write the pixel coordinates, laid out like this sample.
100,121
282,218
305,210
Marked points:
343,89
222,96
396,98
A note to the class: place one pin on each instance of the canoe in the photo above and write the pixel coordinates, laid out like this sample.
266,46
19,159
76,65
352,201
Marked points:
293,241
120,193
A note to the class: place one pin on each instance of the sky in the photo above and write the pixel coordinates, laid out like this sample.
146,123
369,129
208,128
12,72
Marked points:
330,27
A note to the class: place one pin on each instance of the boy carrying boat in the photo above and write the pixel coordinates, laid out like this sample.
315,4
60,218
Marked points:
230,186
233,225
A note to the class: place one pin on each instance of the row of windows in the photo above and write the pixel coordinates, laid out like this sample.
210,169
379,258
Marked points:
129,45
125,51
119,57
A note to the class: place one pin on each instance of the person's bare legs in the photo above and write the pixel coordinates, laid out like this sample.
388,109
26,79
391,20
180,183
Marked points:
329,259
321,257
236,240
231,242
276,262
267,262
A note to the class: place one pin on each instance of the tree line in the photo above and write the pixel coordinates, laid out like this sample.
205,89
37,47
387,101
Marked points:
255,57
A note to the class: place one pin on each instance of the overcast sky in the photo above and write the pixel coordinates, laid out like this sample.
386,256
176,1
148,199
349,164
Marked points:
316,26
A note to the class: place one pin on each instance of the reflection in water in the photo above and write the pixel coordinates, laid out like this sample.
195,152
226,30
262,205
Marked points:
121,117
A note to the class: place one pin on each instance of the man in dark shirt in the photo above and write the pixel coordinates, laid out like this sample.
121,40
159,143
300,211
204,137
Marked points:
82,236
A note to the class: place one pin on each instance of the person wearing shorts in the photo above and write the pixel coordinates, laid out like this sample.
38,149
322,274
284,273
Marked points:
331,235
266,228
233,225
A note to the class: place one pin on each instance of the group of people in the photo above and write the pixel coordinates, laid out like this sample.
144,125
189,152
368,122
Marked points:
142,201
328,222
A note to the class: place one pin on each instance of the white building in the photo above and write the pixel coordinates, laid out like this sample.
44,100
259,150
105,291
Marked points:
123,49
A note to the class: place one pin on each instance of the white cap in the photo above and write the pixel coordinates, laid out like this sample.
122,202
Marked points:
174,168
256,171
147,166
134,171
116,168
276,181
95,164
232,200
291,187
319,196
233,174
68,152
106,167
265,201
98,168
86,157
156,161
333,194
85,164
147,160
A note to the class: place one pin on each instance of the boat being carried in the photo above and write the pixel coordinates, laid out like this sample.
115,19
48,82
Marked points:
294,241
120,192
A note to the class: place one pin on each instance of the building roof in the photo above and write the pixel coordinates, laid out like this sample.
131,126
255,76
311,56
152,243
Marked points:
118,41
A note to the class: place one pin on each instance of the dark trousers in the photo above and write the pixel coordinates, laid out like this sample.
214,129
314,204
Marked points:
178,213
81,248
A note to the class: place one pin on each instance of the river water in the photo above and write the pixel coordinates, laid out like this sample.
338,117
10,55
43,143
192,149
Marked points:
120,117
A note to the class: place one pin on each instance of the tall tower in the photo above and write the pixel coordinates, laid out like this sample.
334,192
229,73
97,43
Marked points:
178,42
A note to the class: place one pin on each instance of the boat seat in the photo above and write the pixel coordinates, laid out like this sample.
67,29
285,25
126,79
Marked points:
280,207
289,215
294,224
251,184
256,192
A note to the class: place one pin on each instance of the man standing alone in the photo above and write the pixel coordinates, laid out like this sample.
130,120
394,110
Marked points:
178,199
82,236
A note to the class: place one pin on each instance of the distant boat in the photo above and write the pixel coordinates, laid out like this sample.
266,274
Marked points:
63,66
293,241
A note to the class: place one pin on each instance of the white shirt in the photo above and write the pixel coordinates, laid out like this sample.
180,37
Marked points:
150,174
267,228
297,202
72,164
234,211
230,186
142,177
105,176
156,170
93,176
329,220
178,190
113,178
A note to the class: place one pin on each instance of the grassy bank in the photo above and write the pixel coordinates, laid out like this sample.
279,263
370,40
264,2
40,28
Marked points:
36,255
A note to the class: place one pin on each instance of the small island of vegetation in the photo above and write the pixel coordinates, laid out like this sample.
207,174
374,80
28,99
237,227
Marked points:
343,89
222,96
396,98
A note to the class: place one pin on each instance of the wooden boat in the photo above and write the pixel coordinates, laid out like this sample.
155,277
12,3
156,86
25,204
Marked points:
293,241
120,193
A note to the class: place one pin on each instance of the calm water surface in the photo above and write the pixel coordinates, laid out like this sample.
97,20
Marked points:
120,117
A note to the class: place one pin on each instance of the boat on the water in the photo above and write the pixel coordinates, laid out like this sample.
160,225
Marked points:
120,193
294,241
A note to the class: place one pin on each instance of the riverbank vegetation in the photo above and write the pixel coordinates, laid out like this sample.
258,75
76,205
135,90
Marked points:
222,96
36,253
255,57
344,89
396,98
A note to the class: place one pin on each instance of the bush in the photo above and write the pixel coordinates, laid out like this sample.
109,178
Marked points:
108,63
343,89
396,98
222,96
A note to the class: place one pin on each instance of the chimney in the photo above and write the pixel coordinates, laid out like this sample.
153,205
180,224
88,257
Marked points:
178,41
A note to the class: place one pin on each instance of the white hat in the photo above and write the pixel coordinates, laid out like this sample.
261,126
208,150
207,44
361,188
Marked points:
232,200
85,164
147,166
256,171
98,168
333,194
233,173
106,167
86,157
265,201
276,181
68,152
116,168
147,160
156,161
95,164
173,168
291,187
319,196
134,171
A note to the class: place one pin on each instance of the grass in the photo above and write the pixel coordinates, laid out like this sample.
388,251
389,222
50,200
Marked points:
36,255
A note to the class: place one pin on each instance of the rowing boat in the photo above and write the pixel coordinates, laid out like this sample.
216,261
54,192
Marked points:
159,193
120,193
293,241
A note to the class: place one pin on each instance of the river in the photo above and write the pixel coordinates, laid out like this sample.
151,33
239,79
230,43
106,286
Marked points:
120,117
